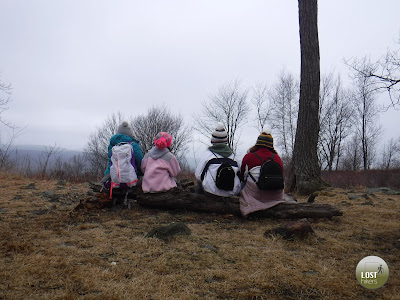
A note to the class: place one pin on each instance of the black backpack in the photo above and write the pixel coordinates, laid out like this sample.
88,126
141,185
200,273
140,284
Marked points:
225,177
271,177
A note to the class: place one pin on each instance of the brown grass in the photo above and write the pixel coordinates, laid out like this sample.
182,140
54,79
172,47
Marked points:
365,178
48,250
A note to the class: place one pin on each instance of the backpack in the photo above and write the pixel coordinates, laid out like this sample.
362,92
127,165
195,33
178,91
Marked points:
122,169
225,176
271,177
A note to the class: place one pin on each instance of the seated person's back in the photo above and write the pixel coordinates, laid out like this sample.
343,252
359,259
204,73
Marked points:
160,166
210,164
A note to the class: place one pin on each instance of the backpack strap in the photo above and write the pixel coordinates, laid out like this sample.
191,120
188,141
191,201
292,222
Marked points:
217,160
214,154
211,161
258,157
262,161
123,143
252,177
268,158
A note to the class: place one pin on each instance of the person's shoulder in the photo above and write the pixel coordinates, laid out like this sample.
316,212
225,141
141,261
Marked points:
113,138
233,157
121,138
206,153
248,155
168,156
277,157
136,141
264,151
135,144
136,148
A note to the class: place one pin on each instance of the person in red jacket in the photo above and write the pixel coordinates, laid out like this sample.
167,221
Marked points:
251,197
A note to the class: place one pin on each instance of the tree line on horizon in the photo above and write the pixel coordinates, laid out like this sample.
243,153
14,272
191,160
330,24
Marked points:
348,137
348,119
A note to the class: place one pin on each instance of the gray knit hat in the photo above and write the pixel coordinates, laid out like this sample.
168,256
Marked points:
126,129
219,134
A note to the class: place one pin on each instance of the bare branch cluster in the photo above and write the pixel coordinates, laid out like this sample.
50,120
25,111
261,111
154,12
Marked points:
5,92
228,106
366,112
75,169
335,121
383,74
44,158
260,101
6,147
284,107
145,128
391,154
158,119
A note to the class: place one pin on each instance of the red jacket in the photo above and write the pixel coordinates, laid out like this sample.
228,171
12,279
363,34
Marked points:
251,160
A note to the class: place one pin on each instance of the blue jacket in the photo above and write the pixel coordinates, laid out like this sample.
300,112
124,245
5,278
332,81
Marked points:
137,151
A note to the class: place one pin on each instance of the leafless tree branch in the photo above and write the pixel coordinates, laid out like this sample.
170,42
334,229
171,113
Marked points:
228,106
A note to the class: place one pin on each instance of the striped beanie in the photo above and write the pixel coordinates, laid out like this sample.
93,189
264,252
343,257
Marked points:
219,134
265,139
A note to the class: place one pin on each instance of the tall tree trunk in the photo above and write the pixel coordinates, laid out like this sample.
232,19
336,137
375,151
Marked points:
305,171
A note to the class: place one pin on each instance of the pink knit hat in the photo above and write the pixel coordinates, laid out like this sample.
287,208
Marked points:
163,140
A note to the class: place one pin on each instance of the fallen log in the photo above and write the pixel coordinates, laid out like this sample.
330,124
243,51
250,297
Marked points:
186,200
230,205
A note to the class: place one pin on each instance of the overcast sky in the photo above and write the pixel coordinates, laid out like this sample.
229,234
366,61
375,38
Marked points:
73,63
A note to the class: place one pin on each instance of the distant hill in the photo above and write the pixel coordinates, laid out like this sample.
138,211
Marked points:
23,154
33,154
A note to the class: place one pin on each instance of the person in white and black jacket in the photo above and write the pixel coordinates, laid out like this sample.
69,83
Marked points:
206,172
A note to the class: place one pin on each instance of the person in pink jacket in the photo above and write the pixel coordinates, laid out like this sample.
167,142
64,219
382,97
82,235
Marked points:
160,166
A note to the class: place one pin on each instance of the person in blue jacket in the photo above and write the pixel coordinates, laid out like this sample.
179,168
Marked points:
124,135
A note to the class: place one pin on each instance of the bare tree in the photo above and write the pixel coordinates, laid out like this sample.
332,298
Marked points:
44,158
284,110
5,92
25,166
12,132
352,158
74,169
260,101
6,147
391,154
304,172
383,74
228,106
366,113
158,119
335,121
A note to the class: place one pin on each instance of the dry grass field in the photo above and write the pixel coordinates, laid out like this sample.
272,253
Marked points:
50,250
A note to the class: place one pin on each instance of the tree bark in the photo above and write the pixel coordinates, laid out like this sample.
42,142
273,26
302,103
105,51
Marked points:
305,170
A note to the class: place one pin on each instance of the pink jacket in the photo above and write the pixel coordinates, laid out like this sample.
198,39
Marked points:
159,167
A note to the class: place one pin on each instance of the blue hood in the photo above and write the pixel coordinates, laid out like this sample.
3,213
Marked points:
121,138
